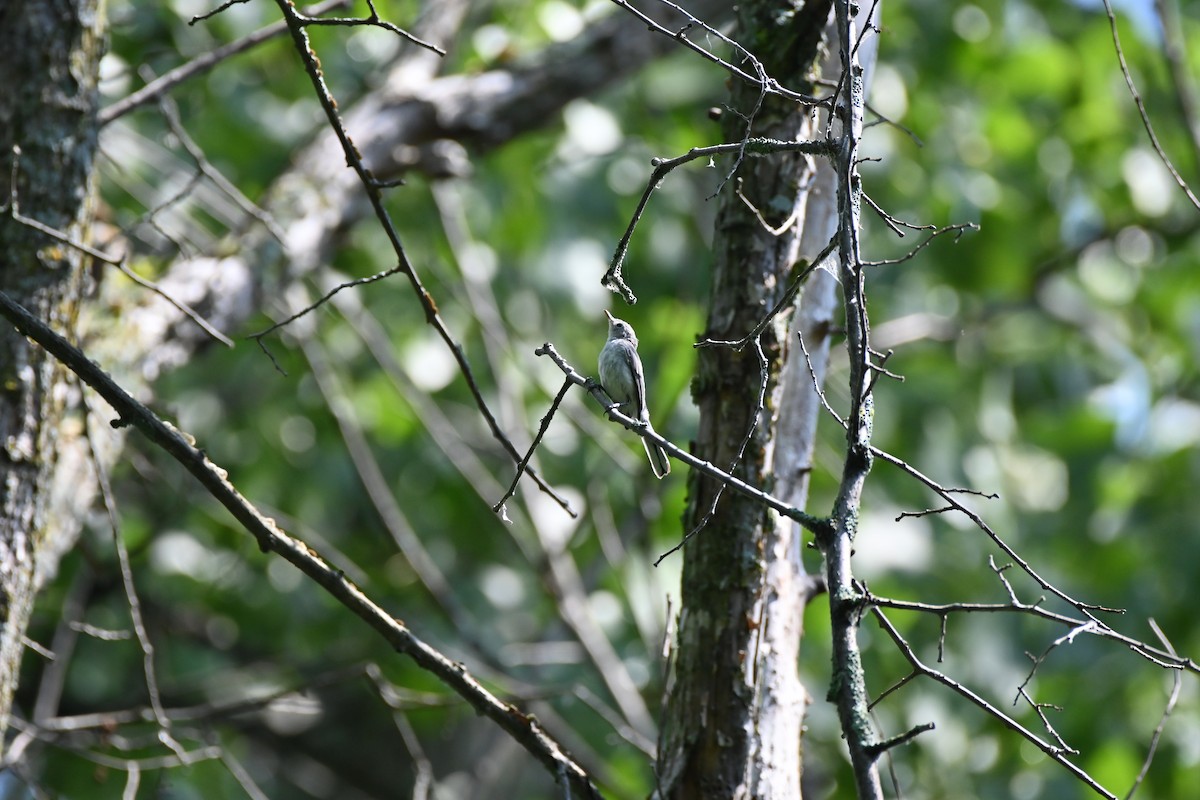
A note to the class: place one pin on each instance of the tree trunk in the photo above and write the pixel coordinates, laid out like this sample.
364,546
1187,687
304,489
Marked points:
49,57
735,704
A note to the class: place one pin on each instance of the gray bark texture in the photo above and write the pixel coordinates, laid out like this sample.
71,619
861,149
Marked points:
735,704
417,120
49,61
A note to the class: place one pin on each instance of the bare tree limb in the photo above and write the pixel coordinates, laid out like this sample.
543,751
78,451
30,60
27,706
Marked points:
271,538
848,689
1141,107
201,64
921,668
810,522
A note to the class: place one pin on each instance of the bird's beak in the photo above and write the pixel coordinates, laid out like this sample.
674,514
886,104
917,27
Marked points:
608,314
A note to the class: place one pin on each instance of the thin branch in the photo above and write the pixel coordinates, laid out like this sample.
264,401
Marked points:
423,779
54,674
879,748
1167,659
947,495
561,580
170,112
895,687
759,78
184,758
448,436
895,223
1141,107
1172,700
201,64
816,382
210,14
404,265
958,229
817,525
1050,750
1040,710
131,596
379,492
105,720
612,279
532,447
801,271
242,776
311,307
524,729
737,457
119,263
620,726
848,690
880,119
373,20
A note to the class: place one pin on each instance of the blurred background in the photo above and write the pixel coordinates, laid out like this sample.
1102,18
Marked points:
1048,357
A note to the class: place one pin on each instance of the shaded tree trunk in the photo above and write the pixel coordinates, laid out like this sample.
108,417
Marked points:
49,54
49,58
735,704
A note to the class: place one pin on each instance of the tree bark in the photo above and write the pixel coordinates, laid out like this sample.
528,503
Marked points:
735,704
49,56
50,52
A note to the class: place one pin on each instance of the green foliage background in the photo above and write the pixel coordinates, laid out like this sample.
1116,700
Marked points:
1048,357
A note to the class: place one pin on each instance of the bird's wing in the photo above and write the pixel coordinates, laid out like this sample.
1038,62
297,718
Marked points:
641,412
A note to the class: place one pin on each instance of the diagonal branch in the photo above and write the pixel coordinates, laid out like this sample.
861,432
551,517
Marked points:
1141,107
523,728
662,166
201,64
810,522
921,668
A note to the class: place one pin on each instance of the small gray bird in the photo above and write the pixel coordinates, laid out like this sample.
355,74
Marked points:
622,378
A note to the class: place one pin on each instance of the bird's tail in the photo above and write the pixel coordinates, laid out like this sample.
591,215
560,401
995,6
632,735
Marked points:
659,463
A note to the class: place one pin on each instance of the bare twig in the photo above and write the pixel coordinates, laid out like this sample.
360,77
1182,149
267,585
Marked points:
958,229
882,747
119,263
131,597
423,565
201,64
198,713
817,525
435,421
845,601
423,779
170,112
242,775
176,759
403,266
1172,700
373,20
561,578
210,14
919,667
737,457
800,275
948,496
758,78
663,166
524,729
895,223
322,300
1167,659
1141,107
532,447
